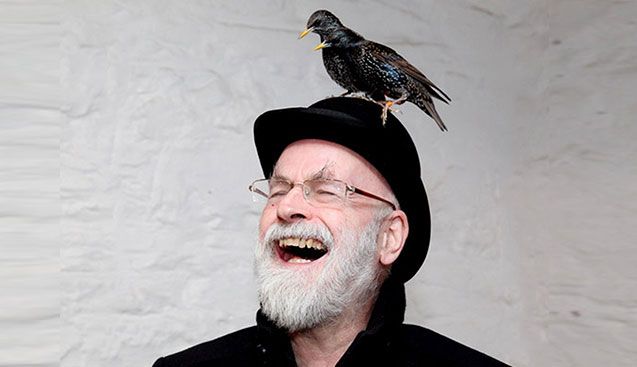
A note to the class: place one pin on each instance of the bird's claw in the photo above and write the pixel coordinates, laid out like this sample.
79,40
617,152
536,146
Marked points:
386,108
360,95
383,116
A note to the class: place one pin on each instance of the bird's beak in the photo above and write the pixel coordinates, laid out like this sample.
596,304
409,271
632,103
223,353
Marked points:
320,46
305,32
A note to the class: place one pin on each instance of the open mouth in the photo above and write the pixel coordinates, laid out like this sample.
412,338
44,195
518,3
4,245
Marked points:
300,250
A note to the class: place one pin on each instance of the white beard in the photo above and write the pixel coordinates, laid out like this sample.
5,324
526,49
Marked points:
299,299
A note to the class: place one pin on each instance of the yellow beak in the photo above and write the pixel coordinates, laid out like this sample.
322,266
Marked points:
305,32
320,46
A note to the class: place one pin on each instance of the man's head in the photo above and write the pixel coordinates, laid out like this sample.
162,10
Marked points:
346,200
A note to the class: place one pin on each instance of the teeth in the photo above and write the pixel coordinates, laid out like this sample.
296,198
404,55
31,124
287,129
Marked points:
301,243
298,260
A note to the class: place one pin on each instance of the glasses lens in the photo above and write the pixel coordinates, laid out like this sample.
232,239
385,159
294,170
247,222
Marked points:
326,191
278,188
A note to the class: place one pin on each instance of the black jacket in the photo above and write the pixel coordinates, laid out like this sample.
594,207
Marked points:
385,342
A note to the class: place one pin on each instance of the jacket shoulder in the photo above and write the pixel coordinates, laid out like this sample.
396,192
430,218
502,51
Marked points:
236,349
427,345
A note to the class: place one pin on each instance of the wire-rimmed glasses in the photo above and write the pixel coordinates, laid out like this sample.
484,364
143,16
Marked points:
319,192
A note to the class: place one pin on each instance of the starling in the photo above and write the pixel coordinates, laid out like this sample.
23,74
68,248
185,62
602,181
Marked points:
363,66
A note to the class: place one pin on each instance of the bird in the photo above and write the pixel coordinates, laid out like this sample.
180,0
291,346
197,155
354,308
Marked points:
378,72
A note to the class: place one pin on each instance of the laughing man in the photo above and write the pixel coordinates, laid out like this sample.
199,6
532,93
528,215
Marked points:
345,224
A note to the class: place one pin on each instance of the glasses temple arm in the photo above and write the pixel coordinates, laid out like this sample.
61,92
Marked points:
370,195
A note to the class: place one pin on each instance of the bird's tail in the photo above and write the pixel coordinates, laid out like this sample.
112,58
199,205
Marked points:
438,93
426,104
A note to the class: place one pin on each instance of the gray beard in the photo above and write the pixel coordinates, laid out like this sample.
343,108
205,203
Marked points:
300,299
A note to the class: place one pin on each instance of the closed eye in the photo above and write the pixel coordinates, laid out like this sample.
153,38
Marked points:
277,193
326,193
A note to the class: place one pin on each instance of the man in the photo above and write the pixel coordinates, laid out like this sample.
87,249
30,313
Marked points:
345,223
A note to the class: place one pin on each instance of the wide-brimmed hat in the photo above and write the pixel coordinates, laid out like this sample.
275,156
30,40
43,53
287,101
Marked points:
356,124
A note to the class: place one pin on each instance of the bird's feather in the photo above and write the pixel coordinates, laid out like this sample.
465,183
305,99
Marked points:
392,57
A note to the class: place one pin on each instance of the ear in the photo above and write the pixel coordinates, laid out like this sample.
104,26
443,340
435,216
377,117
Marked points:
393,237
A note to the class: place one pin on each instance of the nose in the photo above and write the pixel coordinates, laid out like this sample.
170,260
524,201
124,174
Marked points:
293,206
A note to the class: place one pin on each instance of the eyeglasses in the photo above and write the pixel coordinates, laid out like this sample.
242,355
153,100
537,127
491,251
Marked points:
318,192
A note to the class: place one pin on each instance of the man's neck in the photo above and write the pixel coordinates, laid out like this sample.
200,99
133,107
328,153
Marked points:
324,345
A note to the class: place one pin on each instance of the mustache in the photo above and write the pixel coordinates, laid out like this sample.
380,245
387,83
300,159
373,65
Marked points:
301,230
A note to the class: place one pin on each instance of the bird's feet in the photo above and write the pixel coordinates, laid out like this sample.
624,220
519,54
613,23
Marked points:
386,104
387,108
351,94
360,95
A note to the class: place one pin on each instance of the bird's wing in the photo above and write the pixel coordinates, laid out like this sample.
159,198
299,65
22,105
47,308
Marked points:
391,57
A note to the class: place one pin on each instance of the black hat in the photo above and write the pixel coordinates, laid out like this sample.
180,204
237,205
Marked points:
356,124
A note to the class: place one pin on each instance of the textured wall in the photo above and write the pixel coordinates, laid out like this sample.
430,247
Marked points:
533,189
30,127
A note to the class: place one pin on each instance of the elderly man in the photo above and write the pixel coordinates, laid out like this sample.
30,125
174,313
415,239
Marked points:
345,223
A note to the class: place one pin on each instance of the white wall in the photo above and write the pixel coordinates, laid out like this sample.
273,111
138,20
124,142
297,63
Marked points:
533,189
30,207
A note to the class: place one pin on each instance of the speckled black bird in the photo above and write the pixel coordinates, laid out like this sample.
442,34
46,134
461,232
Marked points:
361,65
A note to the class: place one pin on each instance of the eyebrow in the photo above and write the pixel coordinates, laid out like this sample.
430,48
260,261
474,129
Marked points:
325,172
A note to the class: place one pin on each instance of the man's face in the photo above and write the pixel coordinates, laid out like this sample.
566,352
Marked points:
301,291
306,159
